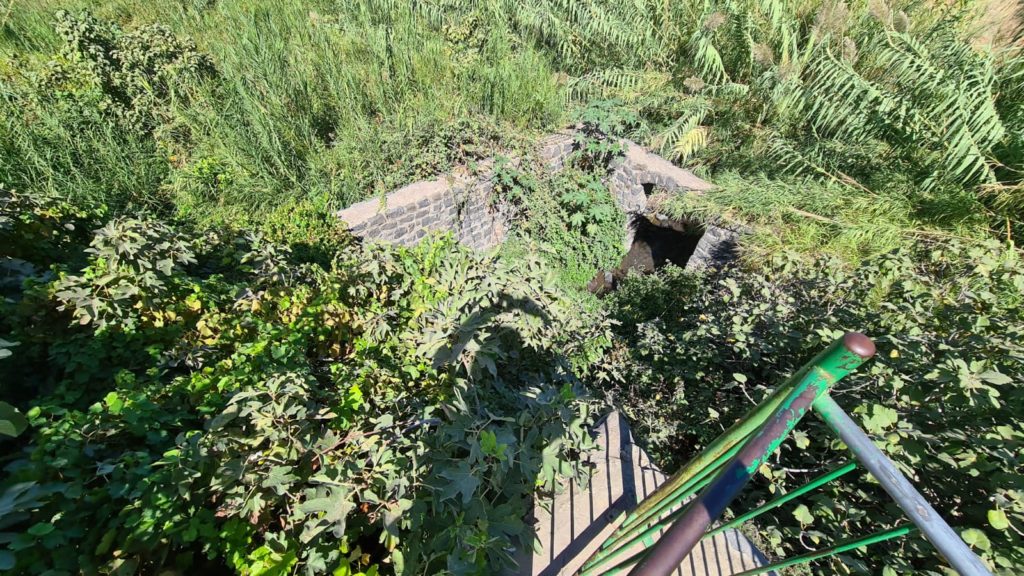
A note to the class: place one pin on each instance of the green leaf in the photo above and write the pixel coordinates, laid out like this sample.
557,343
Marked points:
801,439
488,442
993,377
997,518
491,446
41,529
279,478
881,418
222,419
113,402
12,422
106,541
803,515
976,539
462,481
398,560
335,506
7,560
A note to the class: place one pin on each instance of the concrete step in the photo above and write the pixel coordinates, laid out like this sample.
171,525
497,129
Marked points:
572,525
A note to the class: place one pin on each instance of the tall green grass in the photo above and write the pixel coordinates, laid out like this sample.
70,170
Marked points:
66,155
326,103
321,104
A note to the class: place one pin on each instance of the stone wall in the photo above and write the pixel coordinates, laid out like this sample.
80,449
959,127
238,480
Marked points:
457,202
638,167
555,148
461,202
716,248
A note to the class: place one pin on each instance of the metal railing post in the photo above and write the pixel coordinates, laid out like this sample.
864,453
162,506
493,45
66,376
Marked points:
725,467
920,512
669,493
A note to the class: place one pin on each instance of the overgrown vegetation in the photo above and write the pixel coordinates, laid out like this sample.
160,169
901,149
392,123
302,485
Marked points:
200,371
215,400
910,105
694,352
324,105
568,216
572,221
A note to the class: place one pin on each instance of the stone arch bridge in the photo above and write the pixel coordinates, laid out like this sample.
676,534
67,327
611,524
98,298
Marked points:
461,203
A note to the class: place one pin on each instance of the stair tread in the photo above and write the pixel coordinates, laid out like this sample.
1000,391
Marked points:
572,525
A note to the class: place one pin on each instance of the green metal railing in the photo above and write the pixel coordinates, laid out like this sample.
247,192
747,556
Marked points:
684,507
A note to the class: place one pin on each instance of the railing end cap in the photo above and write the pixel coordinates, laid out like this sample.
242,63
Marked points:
859,344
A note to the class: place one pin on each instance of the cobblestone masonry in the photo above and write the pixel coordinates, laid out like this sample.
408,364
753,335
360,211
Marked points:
461,202
716,247
457,202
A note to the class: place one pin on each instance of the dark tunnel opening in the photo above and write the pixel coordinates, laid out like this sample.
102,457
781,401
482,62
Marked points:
654,245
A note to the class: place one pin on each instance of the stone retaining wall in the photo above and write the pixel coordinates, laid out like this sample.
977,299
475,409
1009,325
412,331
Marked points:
461,202
458,203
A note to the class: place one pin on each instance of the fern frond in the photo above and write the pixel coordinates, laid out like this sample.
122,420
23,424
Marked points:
707,58
627,85
840,99
959,106
685,135
690,142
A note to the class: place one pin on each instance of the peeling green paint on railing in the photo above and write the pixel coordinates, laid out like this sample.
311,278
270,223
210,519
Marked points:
704,477
832,364
727,443
731,459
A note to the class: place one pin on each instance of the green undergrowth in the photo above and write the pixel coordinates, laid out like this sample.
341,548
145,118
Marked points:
693,352
814,218
568,218
202,372
235,108
567,215
216,401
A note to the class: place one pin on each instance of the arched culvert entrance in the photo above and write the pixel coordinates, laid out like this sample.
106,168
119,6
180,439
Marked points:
655,244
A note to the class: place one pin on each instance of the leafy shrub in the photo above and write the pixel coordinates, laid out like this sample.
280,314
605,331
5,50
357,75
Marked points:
130,76
694,351
88,122
130,265
40,231
569,217
586,204
601,125
211,177
216,403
